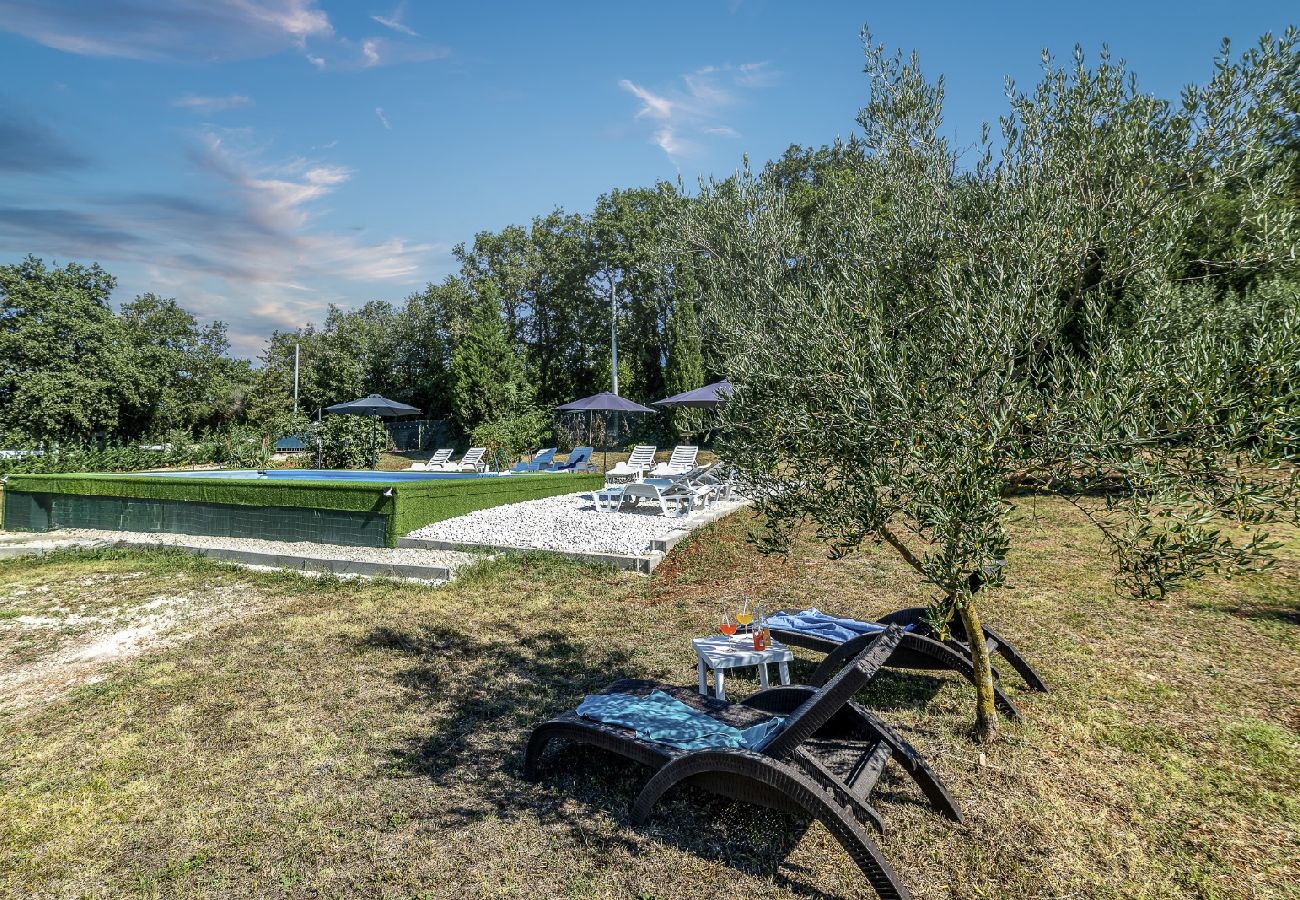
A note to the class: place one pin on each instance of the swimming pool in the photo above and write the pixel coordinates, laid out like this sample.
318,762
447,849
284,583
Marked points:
369,476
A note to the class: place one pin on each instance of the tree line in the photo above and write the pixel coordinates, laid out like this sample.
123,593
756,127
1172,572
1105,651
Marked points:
524,326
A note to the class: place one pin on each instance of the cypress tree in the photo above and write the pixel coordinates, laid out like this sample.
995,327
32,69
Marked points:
685,370
487,379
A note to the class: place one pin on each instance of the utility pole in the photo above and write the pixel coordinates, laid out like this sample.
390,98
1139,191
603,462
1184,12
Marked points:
613,332
295,379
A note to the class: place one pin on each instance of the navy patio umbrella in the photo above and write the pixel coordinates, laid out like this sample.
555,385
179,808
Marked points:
373,405
711,396
604,402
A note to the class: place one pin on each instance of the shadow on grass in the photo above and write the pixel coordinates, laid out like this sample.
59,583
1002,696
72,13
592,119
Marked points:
488,694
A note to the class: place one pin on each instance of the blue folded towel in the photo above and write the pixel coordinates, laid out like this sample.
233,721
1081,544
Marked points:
815,622
660,718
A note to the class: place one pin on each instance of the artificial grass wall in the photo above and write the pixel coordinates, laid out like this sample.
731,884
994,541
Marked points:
339,495
411,505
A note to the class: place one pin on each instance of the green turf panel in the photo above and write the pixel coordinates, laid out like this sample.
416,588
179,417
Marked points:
349,496
336,512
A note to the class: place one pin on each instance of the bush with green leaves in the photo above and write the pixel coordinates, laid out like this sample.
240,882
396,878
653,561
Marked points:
915,339
350,442
513,436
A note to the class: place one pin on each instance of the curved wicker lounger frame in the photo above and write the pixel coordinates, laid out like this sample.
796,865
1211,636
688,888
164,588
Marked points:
823,763
915,616
914,652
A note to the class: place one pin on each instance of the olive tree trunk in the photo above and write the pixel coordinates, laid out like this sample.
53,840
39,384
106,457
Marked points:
986,712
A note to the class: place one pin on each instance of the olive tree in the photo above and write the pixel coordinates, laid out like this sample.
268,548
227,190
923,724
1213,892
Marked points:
934,333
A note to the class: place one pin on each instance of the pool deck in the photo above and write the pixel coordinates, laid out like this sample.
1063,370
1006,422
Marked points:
636,539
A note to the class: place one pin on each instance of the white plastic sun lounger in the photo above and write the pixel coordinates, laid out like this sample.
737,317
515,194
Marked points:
472,461
641,459
682,460
438,459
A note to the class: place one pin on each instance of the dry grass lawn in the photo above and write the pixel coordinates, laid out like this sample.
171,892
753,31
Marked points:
330,739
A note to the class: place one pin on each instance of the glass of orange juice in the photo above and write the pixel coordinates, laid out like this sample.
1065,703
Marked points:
727,622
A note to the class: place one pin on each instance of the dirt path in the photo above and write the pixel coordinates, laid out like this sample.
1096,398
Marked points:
55,637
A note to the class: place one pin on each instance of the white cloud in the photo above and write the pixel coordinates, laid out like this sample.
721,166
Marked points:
212,104
686,114
653,106
209,31
249,246
394,21
187,30
383,119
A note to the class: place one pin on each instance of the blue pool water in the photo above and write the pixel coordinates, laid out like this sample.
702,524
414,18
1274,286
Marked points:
366,475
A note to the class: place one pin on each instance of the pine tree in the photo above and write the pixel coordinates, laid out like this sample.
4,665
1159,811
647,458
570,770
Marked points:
685,370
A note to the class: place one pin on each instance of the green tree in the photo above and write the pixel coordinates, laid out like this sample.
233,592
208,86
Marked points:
487,380
65,369
685,369
934,338
182,376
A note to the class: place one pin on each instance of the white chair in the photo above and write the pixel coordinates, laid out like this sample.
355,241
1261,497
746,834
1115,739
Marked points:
436,461
641,459
472,461
682,460
676,496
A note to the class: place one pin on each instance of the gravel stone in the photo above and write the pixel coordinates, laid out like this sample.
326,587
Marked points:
568,522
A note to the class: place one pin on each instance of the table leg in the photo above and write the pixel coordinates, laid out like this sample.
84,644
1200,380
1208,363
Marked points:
784,669
704,683
762,675
719,684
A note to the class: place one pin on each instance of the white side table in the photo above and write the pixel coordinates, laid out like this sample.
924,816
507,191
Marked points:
720,653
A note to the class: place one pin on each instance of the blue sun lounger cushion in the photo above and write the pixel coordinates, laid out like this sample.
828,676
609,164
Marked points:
665,720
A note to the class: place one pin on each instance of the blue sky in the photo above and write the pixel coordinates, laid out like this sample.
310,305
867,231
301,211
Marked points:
260,159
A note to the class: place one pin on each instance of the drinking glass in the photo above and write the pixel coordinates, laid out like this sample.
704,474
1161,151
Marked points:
727,622
743,615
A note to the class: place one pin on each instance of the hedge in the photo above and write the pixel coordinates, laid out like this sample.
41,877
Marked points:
412,505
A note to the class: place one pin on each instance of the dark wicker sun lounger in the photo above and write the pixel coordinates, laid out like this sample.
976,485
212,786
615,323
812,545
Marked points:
920,648
823,763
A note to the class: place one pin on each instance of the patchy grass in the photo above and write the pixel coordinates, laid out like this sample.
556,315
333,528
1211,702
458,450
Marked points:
365,738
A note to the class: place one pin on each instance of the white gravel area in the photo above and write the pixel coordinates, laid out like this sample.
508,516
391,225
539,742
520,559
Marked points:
571,523
67,537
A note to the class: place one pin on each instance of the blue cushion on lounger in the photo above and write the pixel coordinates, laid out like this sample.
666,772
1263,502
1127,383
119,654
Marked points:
663,719
817,623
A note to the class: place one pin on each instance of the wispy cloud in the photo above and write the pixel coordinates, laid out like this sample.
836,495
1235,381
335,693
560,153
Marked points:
212,104
251,241
394,21
27,146
383,119
209,31
168,29
683,115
